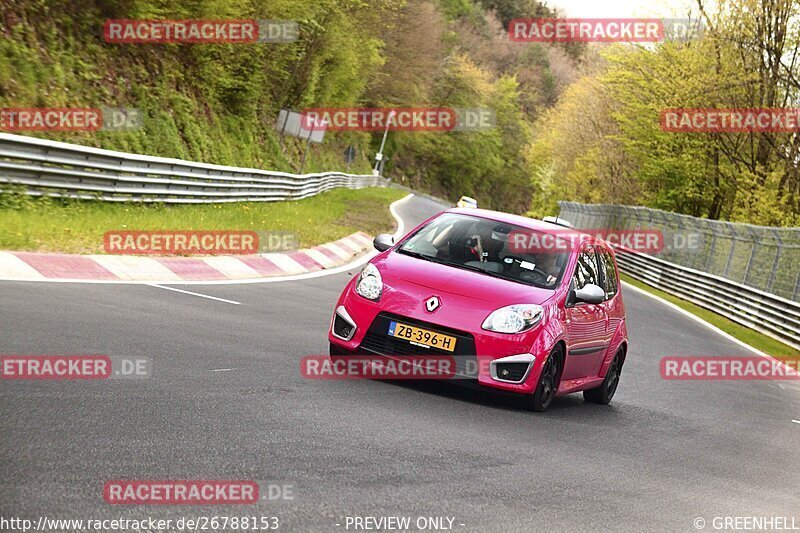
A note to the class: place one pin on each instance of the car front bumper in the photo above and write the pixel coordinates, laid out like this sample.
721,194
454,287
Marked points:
505,362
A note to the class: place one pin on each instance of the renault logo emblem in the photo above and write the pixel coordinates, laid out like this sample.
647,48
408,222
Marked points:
432,304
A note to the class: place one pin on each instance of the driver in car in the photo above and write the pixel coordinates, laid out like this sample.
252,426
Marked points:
483,246
548,264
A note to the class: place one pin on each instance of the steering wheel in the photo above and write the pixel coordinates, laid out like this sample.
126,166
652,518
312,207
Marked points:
517,261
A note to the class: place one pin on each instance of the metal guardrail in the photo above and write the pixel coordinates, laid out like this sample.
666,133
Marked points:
760,257
68,170
769,314
757,309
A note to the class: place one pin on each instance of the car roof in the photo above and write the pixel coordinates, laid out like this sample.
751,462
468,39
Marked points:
527,223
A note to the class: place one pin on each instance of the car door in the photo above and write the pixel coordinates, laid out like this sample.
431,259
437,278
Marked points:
586,323
613,304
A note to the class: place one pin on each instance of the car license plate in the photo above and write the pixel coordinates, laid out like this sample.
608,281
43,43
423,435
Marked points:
422,337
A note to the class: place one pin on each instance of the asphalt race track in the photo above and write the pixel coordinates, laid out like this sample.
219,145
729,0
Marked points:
226,401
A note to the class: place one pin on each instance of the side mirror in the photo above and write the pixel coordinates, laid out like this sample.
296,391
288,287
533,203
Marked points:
590,294
383,242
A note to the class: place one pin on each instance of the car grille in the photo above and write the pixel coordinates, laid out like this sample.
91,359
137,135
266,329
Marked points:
377,341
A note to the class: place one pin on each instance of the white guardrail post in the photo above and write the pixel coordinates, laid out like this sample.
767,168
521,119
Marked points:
69,170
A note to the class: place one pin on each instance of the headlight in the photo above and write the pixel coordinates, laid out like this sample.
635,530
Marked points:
514,318
370,284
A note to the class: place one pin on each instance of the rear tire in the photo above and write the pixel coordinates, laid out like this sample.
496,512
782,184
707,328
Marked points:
603,394
547,387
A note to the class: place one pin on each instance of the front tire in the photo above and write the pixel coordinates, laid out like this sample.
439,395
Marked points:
603,394
547,387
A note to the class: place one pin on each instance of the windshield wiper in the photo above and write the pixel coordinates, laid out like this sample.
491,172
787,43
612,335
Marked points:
497,275
418,255
482,271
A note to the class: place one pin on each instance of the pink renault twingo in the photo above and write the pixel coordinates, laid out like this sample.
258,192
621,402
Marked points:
539,305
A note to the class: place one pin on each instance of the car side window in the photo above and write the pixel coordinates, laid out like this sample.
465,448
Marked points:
609,273
586,270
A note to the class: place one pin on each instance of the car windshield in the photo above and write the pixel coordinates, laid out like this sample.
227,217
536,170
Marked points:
490,247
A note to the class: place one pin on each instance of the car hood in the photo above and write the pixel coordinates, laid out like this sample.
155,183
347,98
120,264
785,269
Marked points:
408,274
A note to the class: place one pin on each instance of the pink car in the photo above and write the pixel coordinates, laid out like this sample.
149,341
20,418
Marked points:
537,306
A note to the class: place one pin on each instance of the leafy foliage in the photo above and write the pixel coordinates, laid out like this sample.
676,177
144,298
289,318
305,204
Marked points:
603,141
219,102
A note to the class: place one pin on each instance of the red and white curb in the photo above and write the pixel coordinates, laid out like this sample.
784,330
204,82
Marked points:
322,260
30,266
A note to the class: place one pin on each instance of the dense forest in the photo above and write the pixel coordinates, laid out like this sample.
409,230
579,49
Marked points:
603,141
573,121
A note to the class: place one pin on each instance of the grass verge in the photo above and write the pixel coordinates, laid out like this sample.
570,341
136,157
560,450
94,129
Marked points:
755,339
78,226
